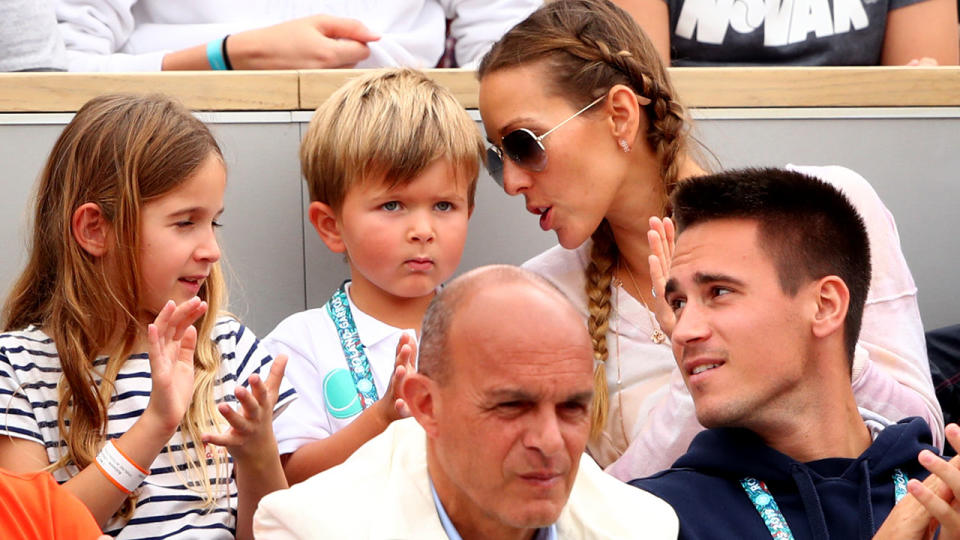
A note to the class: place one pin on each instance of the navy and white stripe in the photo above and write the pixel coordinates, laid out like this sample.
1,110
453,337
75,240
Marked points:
29,374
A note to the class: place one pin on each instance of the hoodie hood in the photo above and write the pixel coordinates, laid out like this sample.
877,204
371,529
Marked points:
735,453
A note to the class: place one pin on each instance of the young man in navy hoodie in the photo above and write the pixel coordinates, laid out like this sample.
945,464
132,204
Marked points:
768,283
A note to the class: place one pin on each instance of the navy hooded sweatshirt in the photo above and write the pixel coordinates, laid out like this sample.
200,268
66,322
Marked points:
837,498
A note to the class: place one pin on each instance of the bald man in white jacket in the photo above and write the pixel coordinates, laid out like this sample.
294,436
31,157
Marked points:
500,404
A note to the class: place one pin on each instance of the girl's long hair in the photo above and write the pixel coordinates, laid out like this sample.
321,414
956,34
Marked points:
587,47
119,152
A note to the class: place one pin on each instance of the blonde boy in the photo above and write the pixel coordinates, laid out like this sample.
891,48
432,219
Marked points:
391,161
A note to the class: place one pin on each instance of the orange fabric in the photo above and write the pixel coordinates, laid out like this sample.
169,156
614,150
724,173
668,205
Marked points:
33,506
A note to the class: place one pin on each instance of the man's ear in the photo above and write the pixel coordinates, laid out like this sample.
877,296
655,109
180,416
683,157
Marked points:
91,229
419,391
832,302
627,118
324,220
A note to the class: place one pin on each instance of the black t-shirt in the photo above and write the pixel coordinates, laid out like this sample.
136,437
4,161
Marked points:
778,32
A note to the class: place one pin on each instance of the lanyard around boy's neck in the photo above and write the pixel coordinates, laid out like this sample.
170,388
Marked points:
772,517
338,308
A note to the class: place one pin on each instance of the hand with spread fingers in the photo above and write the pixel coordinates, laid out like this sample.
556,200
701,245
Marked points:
250,436
251,442
662,239
172,339
932,505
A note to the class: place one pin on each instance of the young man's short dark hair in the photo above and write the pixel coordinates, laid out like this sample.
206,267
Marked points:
808,227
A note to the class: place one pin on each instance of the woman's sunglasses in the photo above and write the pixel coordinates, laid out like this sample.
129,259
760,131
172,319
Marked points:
524,148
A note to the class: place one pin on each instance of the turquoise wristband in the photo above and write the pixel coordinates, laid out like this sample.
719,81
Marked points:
215,55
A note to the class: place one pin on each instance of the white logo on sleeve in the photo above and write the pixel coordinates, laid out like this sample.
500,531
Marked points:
787,21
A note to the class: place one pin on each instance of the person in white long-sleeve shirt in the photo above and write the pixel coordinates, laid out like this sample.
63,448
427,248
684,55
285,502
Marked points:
150,35
29,40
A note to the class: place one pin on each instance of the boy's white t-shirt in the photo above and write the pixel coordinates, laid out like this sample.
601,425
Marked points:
318,369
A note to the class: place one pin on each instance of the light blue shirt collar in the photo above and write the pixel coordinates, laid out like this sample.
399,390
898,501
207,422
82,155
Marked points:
543,533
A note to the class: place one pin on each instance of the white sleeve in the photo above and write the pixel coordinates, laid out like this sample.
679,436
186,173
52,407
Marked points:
411,32
94,30
665,435
304,421
477,24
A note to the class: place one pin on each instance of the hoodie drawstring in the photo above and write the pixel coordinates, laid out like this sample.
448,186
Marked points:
866,502
811,502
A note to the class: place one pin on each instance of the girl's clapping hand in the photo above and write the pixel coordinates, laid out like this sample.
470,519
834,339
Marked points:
172,339
251,427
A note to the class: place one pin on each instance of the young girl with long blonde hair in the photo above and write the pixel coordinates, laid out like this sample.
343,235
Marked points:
117,367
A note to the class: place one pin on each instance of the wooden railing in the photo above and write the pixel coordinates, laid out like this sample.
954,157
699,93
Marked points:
305,90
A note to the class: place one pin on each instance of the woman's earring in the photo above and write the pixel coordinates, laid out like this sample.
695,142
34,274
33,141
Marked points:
624,146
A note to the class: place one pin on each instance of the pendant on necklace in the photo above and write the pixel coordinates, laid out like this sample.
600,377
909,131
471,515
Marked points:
658,336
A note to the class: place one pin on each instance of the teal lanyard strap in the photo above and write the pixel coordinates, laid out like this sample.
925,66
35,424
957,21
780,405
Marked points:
767,507
338,308
772,517
899,485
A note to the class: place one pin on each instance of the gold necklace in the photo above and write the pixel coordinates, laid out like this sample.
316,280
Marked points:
657,336
623,428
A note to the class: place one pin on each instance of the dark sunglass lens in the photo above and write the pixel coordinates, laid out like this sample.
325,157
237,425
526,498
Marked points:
495,165
524,149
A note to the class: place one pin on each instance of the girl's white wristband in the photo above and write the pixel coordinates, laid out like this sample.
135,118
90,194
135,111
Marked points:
119,469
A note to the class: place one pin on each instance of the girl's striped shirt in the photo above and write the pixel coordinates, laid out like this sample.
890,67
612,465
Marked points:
29,374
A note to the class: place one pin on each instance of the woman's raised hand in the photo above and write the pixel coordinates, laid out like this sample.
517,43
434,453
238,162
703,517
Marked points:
662,239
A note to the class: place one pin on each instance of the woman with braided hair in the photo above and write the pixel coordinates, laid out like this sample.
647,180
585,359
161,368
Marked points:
585,70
